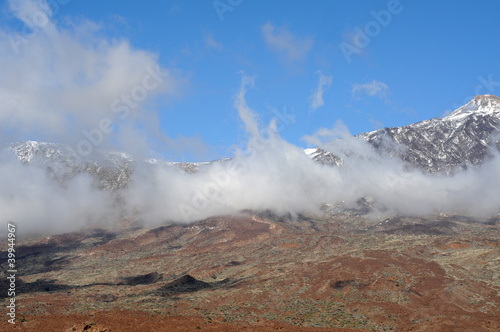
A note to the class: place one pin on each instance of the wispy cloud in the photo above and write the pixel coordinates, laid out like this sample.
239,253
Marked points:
211,43
281,40
317,97
374,88
118,19
376,124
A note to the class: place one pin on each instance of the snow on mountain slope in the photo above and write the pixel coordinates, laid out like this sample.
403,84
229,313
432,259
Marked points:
323,157
480,105
461,140
110,169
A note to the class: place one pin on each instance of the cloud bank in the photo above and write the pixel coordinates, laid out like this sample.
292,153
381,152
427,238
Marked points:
272,174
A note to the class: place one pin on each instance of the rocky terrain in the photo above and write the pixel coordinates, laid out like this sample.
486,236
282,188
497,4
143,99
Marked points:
260,272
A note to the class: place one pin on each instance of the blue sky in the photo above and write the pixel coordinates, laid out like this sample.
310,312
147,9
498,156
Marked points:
371,64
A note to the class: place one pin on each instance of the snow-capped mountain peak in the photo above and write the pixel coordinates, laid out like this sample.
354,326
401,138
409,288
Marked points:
480,105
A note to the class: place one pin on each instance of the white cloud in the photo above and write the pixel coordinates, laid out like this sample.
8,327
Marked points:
281,40
374,88
65,78
317,97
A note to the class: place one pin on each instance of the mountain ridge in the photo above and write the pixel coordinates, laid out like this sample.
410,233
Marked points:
458,141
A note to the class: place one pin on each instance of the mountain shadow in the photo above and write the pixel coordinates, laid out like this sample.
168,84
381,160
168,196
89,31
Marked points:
188,284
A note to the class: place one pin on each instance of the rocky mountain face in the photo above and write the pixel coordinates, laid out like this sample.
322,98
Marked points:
458,141
111,170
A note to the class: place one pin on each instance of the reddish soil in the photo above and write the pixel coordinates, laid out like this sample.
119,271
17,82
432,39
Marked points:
458,245
130,321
